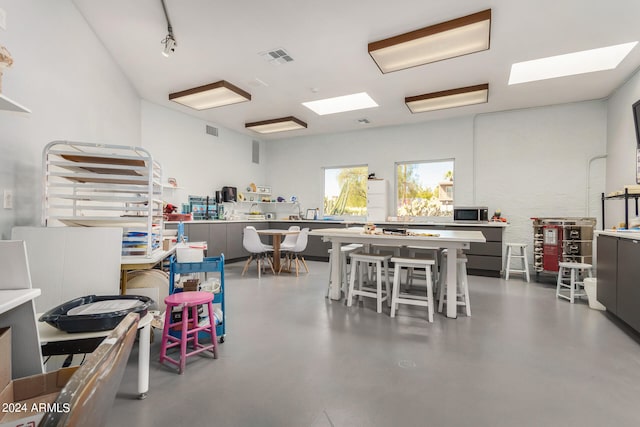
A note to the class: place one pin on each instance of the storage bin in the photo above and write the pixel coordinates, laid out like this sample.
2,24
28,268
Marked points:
591,288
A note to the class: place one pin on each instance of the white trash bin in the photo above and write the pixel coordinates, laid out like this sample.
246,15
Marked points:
591,288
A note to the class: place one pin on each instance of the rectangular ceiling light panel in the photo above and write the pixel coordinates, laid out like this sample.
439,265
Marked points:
210,96
448,99
586,61
276,125
340,104
446,40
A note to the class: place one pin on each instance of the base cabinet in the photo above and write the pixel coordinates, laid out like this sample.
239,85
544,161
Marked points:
618,273
628,285
607,247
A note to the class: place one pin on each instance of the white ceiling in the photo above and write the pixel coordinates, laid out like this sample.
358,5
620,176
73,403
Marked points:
221,40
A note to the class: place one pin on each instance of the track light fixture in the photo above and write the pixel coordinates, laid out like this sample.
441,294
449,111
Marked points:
169,41
169,45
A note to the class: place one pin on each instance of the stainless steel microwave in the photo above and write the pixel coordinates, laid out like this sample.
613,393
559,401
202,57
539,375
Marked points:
471,213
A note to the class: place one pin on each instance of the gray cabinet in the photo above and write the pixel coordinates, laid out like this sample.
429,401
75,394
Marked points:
618,273
235,233
628,298
608,272
214,234
484,259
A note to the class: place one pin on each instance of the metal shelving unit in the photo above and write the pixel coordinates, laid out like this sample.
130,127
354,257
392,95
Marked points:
561,240
624,196
102,185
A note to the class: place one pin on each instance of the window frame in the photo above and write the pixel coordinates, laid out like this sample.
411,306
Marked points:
324,180
412,162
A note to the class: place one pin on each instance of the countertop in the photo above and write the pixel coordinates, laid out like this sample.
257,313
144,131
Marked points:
623,234
356,223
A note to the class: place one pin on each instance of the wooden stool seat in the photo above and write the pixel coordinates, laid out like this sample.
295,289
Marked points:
575,285
399,297
360,263
522,255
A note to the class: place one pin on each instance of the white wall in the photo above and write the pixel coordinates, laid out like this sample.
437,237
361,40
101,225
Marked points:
621,147
534,163
201,163
73,88
295,165
528,163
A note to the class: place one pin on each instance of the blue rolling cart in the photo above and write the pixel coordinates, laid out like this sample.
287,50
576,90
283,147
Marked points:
208,265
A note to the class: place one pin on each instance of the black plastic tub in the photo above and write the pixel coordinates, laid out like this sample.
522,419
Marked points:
61,318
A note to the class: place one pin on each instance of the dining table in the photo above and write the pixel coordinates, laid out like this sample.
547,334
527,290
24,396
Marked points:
452,240
277,236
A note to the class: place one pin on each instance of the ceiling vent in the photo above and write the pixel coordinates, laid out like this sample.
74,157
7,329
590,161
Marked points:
276,56
363,121
212,130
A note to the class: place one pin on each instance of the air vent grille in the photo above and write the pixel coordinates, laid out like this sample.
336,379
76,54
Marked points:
211,130
277,56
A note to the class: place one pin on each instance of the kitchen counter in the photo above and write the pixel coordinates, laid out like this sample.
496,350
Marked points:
623,234
222,236
351,222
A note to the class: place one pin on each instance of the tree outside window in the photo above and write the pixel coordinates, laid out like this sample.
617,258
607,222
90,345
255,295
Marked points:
345,191
425,188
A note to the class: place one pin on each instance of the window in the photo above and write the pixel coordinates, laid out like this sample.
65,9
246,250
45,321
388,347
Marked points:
345,191
425,188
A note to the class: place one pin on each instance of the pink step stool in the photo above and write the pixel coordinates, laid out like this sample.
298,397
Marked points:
189,327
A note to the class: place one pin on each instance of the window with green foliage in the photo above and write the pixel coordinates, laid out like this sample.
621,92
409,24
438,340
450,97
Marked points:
345,191
425,188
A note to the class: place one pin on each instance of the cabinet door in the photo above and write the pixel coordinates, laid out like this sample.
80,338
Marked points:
377,200
217,240
197,232
628,284
607,272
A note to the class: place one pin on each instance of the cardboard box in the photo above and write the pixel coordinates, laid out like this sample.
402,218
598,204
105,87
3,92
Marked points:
190,285
24,401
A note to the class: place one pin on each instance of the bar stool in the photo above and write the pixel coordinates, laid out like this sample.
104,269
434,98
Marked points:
189,328
344,270
399,297
573,268
432,253
523,256
462,285
360,261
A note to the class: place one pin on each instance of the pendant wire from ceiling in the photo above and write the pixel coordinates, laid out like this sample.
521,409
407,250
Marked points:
169,41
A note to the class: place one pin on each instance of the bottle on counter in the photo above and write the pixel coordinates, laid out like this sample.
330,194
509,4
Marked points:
316,214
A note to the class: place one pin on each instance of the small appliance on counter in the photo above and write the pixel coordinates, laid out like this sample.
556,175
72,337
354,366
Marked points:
471,213
229,194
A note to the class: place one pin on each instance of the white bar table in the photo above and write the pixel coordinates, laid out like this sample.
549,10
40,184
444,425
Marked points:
444,239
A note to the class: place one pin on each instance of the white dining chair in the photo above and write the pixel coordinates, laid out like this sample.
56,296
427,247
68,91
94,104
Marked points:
289,240
294,253
252,243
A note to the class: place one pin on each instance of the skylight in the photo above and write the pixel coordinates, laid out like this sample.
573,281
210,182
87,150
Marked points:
586,61
340,104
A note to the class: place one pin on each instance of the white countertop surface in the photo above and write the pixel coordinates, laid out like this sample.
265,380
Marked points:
11,298
623,234
441,235
339,221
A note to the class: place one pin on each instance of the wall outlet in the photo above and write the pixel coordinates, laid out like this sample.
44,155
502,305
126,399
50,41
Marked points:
3,19
7,201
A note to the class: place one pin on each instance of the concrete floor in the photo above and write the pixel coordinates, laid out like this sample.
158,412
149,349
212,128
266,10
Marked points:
294,358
